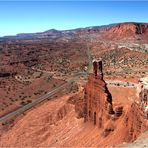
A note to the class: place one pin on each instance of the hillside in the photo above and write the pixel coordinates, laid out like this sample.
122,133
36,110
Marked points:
112,31
64,121
104,100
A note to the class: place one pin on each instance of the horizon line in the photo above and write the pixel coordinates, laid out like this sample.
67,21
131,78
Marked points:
83,27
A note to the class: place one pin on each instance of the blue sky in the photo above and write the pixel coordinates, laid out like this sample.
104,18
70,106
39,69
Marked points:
26,17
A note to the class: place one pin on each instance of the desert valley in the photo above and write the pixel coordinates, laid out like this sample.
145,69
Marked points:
86,87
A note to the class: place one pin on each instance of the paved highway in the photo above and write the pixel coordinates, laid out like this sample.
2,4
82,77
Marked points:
50,93
40,99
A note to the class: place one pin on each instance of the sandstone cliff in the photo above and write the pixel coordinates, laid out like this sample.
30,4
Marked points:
121,31
126,30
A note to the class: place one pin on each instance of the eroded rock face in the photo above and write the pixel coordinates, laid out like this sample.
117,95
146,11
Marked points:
120,31
142,92
127,30
118,111
135,122
134,28
144,96
78,101
97,101
97,98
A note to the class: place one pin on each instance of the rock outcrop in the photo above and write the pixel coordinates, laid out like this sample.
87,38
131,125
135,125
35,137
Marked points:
135,122
78,101
97,99
119,31
125,121
127,30
133,28
142,92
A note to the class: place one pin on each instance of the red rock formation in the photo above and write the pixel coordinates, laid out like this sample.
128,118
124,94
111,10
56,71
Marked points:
127,30
78,101
95,68
135,122
118,111
135,28
126,122
143,94
97,99
120,31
